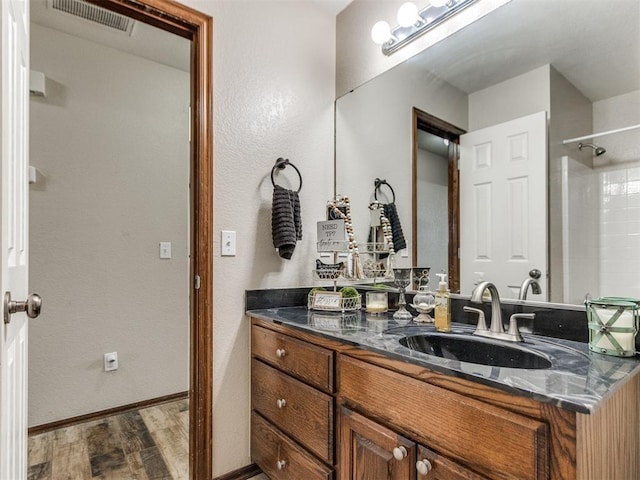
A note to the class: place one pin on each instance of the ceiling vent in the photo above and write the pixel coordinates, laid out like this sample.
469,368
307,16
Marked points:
94,14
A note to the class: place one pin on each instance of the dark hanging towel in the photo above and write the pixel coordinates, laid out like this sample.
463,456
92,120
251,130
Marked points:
286,223
391,213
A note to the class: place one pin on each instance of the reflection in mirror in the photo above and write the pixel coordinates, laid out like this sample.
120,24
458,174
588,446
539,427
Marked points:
432,220
576,61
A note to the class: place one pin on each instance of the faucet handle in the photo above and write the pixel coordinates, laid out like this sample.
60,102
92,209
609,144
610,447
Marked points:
482,324
513,324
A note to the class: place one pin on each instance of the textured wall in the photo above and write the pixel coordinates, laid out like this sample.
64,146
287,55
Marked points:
110,141
274,73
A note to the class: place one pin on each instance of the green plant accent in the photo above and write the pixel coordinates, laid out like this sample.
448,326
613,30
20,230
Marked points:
317,289
349,292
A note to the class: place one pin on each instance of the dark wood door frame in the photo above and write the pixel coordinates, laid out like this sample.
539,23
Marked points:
428,123
197,27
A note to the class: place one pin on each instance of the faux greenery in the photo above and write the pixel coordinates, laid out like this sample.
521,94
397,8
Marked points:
349,292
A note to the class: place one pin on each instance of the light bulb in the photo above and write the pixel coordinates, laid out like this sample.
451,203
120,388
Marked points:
408,14
381,32
439,3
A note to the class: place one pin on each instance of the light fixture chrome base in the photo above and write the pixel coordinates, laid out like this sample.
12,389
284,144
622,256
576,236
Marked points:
431,17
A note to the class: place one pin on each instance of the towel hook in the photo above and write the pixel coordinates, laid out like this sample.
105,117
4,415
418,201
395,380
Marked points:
281,164
378,183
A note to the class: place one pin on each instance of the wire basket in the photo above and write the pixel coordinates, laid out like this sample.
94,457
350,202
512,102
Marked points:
376,273
336,321
375,269
332,301
327,274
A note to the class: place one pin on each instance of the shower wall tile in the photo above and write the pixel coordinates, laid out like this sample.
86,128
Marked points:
620,231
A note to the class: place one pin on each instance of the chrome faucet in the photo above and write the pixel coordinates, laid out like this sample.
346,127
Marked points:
497,329
532,281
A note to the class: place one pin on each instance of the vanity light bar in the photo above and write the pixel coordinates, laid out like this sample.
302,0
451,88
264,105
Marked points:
429,17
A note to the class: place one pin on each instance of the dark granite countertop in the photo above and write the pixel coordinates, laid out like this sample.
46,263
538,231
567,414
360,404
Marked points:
578,379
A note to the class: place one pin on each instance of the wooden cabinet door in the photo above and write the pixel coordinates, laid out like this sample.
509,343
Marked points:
367,451
437,467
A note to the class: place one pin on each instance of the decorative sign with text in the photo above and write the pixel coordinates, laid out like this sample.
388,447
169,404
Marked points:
327,300
331,236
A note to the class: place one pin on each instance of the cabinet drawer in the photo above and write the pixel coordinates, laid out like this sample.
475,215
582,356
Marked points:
310,363
269,446
494,442
299,410
442,468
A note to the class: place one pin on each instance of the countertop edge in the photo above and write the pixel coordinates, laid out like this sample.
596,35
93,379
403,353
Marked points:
587,407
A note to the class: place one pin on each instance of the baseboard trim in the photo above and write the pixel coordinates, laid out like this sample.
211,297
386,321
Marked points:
68,422
243,473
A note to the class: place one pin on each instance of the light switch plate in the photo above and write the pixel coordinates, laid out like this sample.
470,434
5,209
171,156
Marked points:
228,243
165,249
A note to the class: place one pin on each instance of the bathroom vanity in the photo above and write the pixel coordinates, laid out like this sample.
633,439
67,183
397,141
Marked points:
340,397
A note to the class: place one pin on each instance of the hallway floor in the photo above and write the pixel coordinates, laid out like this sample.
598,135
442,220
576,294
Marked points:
147,444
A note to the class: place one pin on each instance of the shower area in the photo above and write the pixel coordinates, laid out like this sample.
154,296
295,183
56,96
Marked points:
599,184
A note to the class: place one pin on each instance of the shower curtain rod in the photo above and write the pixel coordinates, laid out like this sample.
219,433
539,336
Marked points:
601,134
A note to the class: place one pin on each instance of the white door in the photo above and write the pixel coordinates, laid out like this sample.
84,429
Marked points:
14,31
503,205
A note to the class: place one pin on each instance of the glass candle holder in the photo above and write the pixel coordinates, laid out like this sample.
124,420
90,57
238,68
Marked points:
613,325
377,303
401,279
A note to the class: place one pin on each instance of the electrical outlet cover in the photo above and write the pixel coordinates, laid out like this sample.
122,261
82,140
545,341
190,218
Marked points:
110,361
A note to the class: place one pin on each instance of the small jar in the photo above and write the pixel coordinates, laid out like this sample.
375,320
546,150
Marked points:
377,303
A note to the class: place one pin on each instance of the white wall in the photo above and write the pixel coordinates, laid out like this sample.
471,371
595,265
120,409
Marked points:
110,141
570,118
274,74
432,178
373,139
514,98
619,179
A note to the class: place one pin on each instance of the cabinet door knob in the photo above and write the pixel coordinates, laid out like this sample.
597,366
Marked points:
280,464
281,403
399,453
281,352
423,466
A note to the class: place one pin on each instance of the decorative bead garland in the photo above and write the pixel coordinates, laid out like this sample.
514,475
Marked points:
351,237
387,233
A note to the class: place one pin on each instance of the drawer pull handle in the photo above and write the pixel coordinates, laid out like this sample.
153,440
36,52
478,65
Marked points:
280,464
281,403
281,352
399,453
423,466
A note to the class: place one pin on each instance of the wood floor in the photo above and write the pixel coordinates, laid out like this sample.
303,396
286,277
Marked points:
147,444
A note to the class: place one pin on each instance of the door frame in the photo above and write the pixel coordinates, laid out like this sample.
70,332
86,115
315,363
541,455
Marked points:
197,27
423,121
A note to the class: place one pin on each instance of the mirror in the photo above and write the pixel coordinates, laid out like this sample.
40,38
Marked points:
580,62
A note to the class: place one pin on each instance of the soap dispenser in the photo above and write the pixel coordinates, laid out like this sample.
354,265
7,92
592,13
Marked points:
443,305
